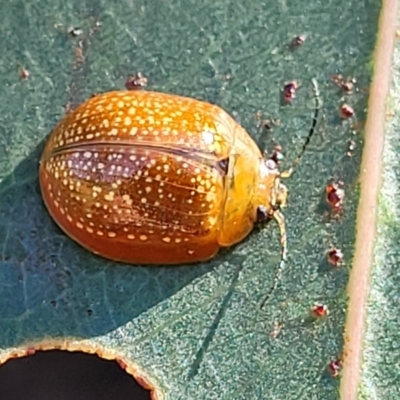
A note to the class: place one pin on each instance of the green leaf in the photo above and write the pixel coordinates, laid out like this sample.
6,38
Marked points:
194,332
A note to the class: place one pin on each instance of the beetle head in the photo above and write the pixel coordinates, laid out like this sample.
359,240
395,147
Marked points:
272,194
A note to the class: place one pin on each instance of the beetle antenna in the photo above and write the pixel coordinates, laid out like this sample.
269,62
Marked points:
278,216
314,121
280,219
312,129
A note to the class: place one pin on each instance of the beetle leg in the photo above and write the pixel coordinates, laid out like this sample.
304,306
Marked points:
286,174
280,219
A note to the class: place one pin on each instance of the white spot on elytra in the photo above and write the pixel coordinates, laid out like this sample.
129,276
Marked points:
208,137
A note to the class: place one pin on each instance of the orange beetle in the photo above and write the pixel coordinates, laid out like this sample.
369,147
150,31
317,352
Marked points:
152,178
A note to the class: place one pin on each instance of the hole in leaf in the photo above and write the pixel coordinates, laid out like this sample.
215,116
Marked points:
55,374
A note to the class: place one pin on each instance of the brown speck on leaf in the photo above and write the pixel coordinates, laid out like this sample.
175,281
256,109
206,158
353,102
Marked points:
266,123
135,82
289,91
351,148
319,311
347,85
335,367
297,41
335,256
346,111
24,74
74,32
335,196
277,329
